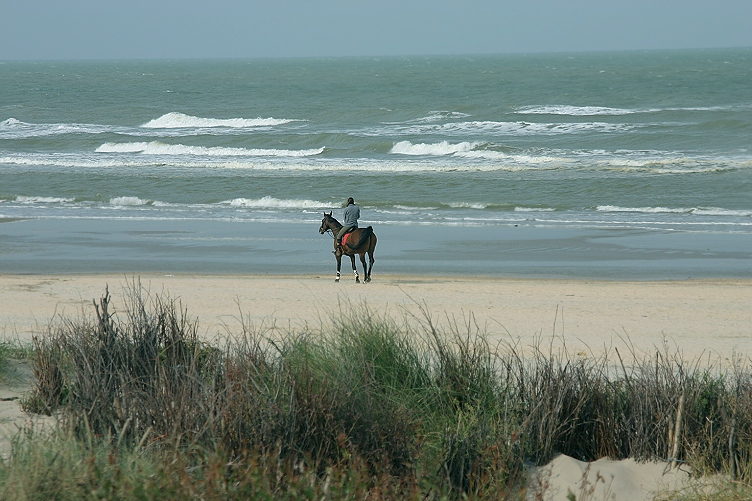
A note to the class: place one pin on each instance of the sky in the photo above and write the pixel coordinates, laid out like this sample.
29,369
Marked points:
199,29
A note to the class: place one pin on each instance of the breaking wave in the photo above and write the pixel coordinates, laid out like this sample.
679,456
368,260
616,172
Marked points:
272,203
576,111
442,148
159,148
702,211
129,201
502,128
176,120
43,200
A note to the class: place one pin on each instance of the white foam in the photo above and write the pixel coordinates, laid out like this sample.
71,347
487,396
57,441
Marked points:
603,110
11,122
651,210
128,201
498,155
42,200
159,148
439,149
272,203
467,205
262,163
441,115
702,211
123,147
576,111
503,128
176,120
15,129
715,211
534,209
407,208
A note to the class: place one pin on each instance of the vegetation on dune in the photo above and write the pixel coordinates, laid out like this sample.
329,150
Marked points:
370,407
12,351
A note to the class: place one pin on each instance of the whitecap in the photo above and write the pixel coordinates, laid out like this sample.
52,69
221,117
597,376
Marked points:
269,202
467,205
129,201
441,115
15,129
701,211
159,148
498,155
556,109
11,122
43,200
503,128
439,149
175,120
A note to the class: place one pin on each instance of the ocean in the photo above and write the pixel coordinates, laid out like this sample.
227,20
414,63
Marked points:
603,165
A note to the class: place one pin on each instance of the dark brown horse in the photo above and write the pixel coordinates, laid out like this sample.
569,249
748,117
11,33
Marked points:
359,241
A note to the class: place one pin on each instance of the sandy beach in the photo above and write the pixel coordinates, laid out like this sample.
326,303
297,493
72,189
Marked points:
697,317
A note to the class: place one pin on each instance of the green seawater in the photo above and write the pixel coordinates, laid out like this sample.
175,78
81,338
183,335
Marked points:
653,141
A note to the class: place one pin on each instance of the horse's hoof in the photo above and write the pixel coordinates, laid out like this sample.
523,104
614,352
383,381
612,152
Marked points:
368,279
357,280
336,279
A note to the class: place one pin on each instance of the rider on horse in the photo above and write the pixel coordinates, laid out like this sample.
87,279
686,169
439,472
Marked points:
350,220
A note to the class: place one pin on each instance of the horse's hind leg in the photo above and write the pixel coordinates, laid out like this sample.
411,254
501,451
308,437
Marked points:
355,270
371,248
365,268
370,266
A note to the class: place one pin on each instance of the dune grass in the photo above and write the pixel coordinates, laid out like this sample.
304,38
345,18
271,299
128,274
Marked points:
368,406
10,352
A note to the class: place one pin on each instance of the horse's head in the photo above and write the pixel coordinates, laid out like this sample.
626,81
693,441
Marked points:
326,223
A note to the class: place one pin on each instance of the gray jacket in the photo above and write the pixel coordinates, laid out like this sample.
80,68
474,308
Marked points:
351,215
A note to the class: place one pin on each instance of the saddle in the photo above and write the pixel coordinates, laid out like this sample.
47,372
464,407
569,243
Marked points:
347,235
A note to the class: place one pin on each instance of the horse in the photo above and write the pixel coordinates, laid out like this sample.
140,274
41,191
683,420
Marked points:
366,243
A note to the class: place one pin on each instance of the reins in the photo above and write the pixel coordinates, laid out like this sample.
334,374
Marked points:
330,231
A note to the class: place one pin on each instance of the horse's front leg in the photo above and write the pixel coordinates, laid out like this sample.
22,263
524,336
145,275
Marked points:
338,256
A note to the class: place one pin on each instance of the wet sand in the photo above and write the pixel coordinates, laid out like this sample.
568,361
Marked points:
82,246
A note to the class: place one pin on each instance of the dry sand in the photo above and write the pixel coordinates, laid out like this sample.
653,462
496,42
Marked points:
696,316
605,480
700,318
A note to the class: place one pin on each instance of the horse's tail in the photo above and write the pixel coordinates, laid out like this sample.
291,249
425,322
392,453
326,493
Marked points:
364,235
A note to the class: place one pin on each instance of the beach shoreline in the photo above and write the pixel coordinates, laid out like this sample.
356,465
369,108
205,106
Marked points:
69,246
698,317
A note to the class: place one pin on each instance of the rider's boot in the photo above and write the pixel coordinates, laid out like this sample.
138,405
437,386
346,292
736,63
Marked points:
337,246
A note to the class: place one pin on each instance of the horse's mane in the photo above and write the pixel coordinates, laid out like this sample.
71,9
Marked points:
329,216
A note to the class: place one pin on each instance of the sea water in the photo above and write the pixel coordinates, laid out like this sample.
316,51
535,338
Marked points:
596,164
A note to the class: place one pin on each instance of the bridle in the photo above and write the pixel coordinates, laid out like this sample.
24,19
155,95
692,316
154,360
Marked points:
328,229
